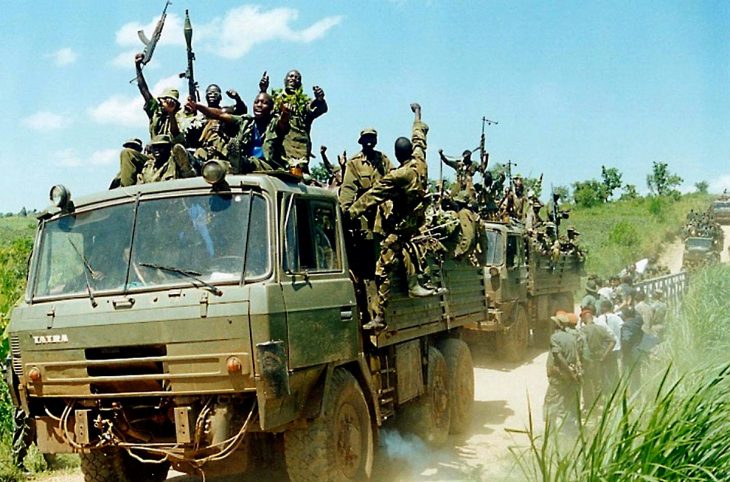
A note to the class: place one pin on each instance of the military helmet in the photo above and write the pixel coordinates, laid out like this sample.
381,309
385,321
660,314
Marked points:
169,93
161,140
368,131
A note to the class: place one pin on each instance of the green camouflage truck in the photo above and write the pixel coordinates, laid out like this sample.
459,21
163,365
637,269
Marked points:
206,325
700,251
525,287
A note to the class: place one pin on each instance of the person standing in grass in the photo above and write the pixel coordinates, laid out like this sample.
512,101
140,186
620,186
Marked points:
599,343
562,399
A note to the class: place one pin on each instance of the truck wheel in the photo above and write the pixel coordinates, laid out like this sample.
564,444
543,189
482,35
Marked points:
429,416
337,446
137,471
512,345
460,383
102,466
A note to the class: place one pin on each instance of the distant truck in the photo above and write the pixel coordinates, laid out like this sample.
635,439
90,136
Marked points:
205,324
525,287
721,209
700,251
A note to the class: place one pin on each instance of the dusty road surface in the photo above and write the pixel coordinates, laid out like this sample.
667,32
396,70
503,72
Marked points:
501,400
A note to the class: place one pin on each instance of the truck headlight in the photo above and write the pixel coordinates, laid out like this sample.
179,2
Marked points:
60,196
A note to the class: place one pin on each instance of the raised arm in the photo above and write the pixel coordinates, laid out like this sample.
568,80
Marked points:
239,108
318,106
141,82
418,137
449,162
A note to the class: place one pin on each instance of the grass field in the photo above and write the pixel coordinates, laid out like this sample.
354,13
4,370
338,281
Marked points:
623,232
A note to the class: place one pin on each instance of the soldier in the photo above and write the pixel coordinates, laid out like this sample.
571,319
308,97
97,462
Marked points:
250,148
590,299
599,343
334,173
562,403
164,112
295,148
533,219
465,169
213,138
406,187
166,162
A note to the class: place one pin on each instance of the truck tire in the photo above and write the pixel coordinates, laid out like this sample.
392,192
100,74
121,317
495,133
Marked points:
429,416
102,466
512,344
460,383
337,446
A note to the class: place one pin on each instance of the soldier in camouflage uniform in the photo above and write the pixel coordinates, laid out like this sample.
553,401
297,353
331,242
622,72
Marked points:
164,112
250,148
214,136
564,371
165,163
295,146
362,171
406,187
465,169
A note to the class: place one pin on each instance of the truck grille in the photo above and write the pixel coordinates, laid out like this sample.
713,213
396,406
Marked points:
126,362
15,355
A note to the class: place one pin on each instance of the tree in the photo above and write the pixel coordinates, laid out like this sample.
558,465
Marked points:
702,187
611,178
629,193
23,212
319,172
588,193
563,192
661,182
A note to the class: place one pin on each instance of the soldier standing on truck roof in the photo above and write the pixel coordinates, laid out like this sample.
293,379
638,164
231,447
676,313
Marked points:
295,148
465,169
564,371
406,187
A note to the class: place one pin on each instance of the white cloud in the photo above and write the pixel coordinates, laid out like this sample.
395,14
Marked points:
246,26
125,60
64,56
719,184
172,33
231,37
70,158
104,157
120,110
46,121
128,111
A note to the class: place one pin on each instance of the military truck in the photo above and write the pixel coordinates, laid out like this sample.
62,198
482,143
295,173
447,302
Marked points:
700,251
205,324
721,209
525,287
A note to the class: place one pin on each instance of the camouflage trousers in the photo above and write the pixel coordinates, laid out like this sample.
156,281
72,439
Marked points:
131,163
395,248
562,404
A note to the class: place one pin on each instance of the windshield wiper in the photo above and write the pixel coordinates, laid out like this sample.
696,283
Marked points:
87,269
193,275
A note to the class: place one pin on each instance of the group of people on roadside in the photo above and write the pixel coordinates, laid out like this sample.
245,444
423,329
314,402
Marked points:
613,336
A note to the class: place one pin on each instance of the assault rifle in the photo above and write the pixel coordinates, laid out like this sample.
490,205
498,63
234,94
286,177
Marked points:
150,44
188,74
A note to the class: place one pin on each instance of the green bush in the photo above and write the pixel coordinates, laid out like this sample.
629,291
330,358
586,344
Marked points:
624,234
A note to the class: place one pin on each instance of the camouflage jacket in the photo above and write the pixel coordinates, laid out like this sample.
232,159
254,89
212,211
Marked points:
160,121
152,173
405,186
361,173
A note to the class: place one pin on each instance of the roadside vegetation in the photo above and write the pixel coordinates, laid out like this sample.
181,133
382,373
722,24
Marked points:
675,428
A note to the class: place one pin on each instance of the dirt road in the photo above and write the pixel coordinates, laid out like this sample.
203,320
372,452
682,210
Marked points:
483,454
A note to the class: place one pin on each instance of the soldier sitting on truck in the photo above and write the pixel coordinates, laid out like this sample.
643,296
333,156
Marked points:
250,148
406,187
164,162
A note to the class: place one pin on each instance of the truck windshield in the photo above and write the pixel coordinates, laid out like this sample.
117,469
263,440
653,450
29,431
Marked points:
494,248
699,243
186,240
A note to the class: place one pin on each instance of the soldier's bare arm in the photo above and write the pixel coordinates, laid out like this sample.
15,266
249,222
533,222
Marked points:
449,162
210,112
318,106
240,107
141,82
264,82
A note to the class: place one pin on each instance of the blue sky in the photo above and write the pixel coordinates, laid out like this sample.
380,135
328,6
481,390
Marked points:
574,85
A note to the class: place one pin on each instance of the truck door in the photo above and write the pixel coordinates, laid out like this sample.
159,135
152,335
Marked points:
319,297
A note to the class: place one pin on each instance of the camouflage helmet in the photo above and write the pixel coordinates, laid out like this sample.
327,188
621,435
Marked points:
161,140
170,93
368,131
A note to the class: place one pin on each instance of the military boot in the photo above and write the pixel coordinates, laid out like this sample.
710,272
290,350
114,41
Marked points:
415,290
377,324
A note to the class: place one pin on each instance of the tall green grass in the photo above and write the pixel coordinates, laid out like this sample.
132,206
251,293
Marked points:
622,232
676,427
